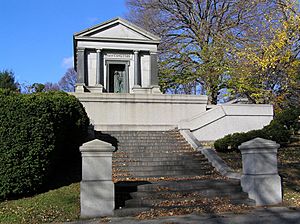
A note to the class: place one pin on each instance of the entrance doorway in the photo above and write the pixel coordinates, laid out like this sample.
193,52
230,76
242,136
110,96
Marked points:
117,78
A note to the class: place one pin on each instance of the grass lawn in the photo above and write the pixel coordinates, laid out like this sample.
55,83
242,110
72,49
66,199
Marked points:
288,167
54,206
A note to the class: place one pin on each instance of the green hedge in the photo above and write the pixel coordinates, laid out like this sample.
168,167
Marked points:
280,130
38,133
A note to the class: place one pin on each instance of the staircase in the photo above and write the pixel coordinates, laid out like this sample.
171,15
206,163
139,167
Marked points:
159,171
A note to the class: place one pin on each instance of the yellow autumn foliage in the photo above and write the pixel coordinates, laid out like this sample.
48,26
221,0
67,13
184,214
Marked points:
267,72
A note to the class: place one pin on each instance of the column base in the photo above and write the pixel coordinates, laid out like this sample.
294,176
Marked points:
80,88
264,189
155,90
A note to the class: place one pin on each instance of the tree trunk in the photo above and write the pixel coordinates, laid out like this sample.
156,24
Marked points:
213,98
212,94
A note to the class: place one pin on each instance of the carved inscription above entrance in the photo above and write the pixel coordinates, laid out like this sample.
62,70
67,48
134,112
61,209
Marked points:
118,55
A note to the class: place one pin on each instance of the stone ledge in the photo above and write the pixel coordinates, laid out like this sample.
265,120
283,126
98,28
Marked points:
133,127
140,98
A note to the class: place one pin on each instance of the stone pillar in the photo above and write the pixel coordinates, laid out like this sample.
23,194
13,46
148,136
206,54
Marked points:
80,70
154,73
98,67
96,188
137,75
260,177
153,69
99,73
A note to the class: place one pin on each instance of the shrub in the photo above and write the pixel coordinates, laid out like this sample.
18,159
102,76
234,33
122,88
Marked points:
223,144
288,118
37,132
280,130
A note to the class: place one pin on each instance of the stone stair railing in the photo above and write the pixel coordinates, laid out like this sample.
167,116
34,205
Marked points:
221,120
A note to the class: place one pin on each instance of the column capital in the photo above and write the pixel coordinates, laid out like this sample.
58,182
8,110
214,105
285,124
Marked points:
153,52
98,50
136,52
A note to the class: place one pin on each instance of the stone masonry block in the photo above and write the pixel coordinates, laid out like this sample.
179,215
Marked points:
264,189
97,198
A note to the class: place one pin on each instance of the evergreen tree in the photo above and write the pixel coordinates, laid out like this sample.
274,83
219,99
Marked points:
7,80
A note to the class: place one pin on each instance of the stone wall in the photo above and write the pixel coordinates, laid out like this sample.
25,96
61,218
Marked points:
140,111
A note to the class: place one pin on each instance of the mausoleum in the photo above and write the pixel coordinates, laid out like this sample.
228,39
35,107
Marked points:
116,64
116,57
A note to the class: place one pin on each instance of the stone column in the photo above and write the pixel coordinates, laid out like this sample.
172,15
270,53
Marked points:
98,67
153,69
96,188
80,70
137,75
154,73
260,177
99,73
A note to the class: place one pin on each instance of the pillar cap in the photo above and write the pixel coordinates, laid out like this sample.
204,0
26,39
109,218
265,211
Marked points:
97,145
259,143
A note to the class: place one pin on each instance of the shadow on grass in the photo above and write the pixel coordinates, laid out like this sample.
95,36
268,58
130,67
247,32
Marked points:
68,169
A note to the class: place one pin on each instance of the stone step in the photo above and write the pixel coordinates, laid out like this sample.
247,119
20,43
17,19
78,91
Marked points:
164,158
150,139
194,167
135,146
154,154
168,173
170,151
125,212
190,184
132,203
145,148
155,178
159,163
207,192
139,134
120,137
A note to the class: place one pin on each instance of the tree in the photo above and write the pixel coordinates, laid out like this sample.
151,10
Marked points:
50,86
268,71
68,81
7,80
195,38
248,48
37,87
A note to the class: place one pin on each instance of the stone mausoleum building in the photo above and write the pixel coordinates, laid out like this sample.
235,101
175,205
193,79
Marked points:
116,63
116,57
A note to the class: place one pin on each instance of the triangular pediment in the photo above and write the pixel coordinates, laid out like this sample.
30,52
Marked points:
118,29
